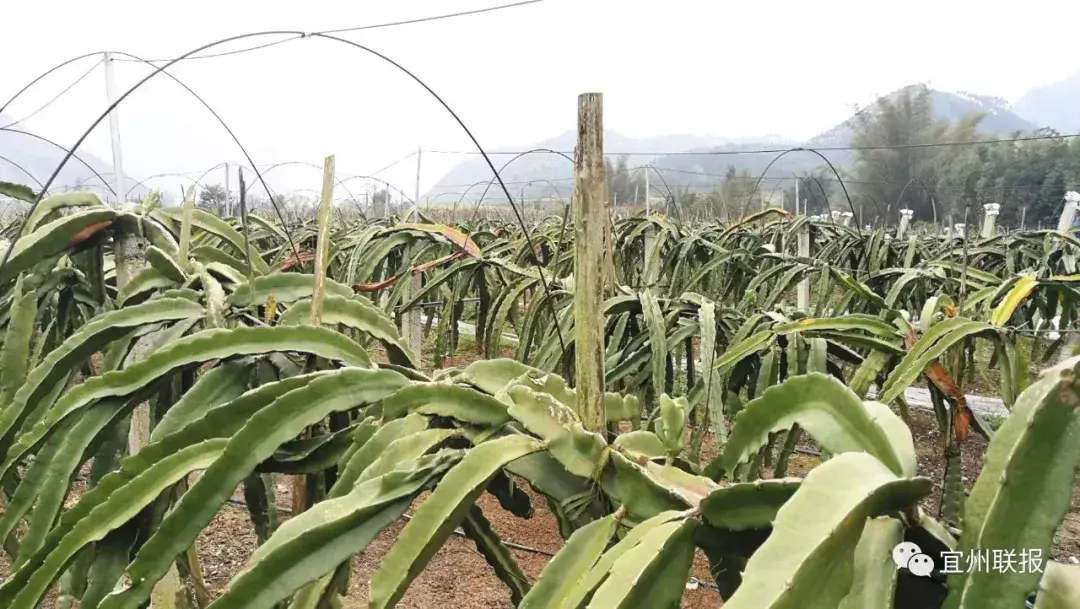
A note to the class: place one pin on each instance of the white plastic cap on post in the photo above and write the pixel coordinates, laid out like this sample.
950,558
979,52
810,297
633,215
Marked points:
907,213
1056,323
1068,213
992,209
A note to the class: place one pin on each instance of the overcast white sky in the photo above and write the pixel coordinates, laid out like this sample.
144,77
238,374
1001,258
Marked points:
792,68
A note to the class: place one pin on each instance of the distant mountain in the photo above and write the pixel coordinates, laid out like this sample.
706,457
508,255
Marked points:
1053,105
708,168
705,169
22,154
553,172
999,120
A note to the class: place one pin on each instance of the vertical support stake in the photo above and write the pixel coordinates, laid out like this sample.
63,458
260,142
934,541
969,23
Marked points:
590,219
322,243
803,291
991,211
114,133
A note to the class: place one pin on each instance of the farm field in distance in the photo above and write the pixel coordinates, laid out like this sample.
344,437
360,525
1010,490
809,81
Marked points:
390,314
437,426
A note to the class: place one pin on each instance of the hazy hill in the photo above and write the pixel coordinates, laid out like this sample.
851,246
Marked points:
700,170
554,168
999,120
40,158
1056,105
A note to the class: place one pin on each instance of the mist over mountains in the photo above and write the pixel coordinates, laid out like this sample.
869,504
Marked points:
689,161
26,159
1055,105
544,174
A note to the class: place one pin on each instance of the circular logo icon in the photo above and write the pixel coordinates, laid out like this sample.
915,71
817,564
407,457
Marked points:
908,555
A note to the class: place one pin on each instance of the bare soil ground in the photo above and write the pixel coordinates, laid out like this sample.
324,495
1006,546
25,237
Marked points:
458,576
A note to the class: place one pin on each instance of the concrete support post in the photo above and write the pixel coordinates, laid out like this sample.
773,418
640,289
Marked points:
803,291
1068,213
413,322
989,219
905,221
228,196
114,133
1065,224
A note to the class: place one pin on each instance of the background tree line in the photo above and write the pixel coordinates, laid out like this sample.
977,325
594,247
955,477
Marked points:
940,182
896,167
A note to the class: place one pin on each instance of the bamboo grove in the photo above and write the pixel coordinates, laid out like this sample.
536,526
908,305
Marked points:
250,360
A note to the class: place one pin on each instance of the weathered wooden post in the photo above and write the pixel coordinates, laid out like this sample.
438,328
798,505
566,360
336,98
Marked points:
590,222
322,247
129,246
130,260
989,219
650,232
322,240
